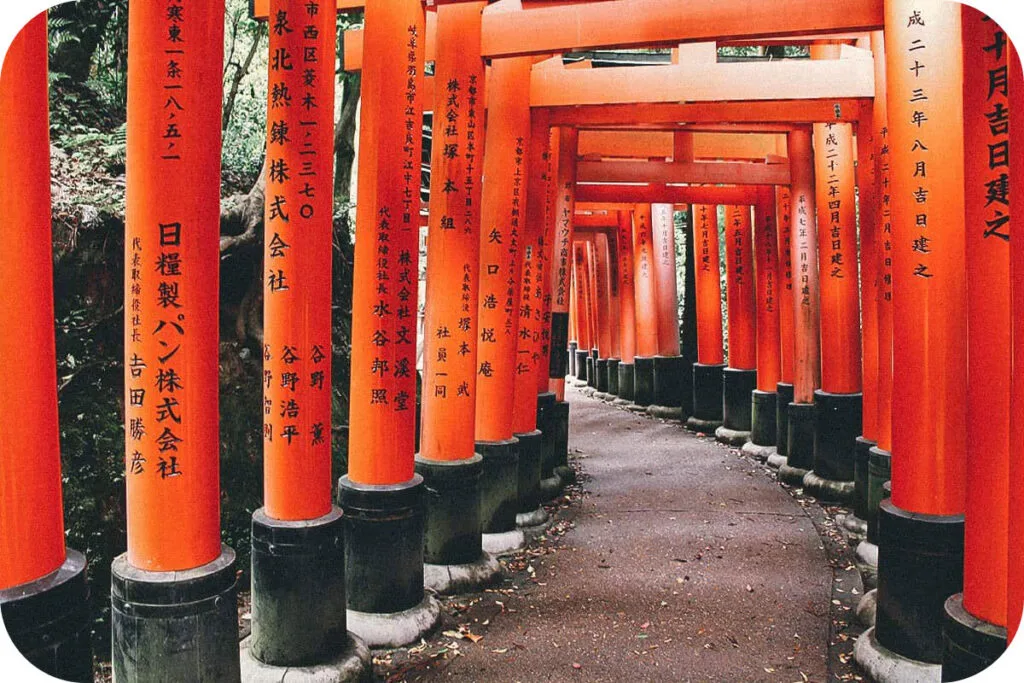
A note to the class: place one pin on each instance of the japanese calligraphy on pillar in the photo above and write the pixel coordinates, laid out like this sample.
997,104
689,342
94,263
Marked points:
739,293
171,283
710,349
453,268
838,207
297,260
385,290
663,234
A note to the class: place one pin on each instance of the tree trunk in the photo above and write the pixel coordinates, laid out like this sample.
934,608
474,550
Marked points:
345,134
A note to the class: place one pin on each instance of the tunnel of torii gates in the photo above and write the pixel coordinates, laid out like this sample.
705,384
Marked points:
858,201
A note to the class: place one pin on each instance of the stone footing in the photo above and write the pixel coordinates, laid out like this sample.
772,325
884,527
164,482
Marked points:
866,608
827,490
352,664
298,590
665,412
762,453
885,666
175,626
731,437
534,518
451,579
861,457
395,629
776,461
866,558
48,620
504,543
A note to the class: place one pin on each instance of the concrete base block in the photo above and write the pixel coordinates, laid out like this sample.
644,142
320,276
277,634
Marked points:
665,412
885,666
762,453
643,381
621,402
794,476
776,461
854,525
395,629
627,381
352,665
566,474
635,408
828,490
603,396
731,437
867,607
504,543
702,426
533,518
450,579
784,396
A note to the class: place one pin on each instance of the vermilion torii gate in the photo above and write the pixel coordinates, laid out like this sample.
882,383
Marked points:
927,349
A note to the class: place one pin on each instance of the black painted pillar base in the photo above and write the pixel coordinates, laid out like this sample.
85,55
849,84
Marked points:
970,645
499,485
762,424
879,473
550,483
800,458
384,532
560,420
298,590
857,522
613,376
601,380
529,472
920,564
643,381
48,620
707,398
835,437
627,379
175,626
668,384
581,364
737,386
573,346
452,527
785,397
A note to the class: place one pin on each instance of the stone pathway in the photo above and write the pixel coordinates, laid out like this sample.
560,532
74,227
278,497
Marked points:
686,564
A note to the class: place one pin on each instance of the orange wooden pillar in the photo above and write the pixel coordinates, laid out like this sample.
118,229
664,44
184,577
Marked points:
1015,575
669,366
560,216
787,340
646,303
297,513
41,581
975,620
580,283
806,340
739,379
382,496
590,301
447,460
707,371
501,264
763,407
529,412
602,282
879,456
839,400
172,231
868,210
627,307
573,328
921,527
